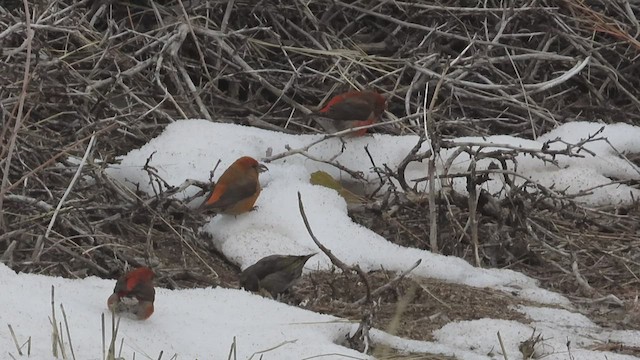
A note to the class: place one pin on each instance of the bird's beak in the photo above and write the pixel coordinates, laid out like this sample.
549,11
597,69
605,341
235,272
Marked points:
262,168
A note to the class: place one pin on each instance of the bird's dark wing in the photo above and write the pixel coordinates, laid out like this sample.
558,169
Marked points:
266,266
121,287
251,277
349,109
229,195
278,282
144,292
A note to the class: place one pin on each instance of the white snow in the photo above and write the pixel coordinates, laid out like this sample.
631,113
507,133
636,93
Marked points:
202,323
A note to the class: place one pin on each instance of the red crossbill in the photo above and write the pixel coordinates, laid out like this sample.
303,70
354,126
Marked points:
237,189
349,110
136,284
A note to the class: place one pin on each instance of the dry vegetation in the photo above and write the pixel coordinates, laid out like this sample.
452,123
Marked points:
95,79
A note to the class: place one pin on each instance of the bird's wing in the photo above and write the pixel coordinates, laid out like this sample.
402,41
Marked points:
266,266
277,282
144,291
121,287
278,263
224,195
349,109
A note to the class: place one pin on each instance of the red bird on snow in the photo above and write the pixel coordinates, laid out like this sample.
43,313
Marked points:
237,189
136,284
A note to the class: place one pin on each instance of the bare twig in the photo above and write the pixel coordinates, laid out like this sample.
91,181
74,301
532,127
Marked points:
389,284
19,116
71,184
334,260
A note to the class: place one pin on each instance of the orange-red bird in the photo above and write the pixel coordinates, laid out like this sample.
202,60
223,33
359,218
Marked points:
237,189
136,284
351,109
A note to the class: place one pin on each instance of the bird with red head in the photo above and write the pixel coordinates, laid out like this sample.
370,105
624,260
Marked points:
237,190
349,110
135,285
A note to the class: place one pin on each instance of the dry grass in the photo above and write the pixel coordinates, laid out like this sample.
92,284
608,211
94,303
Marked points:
114,73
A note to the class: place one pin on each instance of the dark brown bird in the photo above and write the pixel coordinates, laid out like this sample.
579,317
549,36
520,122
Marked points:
136,284
274,273
349,110
237,189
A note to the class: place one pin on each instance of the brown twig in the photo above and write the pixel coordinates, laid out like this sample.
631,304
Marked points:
19,117
390,283
334,260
